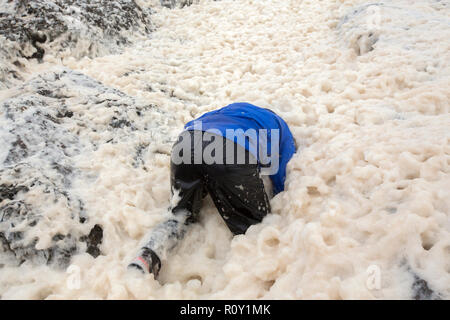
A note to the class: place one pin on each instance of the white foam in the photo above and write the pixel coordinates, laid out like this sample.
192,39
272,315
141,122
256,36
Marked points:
366,204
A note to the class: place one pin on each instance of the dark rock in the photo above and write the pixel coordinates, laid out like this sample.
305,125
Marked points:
421,290
10,191
171,4
176,3
18,210
10,64
18,150
70,21
63,114
138,158
93,240
44,133
31,28
119,123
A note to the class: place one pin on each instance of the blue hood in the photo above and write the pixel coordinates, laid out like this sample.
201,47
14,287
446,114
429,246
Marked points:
246,116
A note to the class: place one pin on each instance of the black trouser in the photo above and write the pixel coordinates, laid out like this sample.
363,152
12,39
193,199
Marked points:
236,189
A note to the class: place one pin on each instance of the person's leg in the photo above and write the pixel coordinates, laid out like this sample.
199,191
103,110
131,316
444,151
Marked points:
187,191
159,241
238,191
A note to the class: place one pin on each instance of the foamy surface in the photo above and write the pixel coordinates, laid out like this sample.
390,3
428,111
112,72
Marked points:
365,90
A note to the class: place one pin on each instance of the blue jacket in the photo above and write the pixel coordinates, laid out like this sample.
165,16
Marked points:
246,116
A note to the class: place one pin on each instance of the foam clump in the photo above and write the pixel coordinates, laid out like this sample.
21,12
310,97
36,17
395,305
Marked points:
363,87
